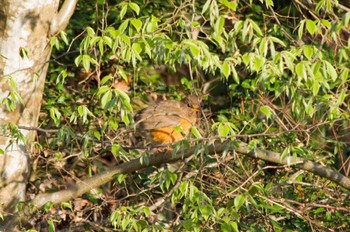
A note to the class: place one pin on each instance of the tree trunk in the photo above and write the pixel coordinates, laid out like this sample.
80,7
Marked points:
25,30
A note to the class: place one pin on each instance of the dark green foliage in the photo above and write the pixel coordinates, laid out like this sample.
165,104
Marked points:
273,72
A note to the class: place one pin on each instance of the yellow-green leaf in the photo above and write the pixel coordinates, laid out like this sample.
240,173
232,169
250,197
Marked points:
137,24
225,69
266,111
311,26
134,7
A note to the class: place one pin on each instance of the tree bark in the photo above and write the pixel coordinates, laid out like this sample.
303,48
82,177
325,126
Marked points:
25,30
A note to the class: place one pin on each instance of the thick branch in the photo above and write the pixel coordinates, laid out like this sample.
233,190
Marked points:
60,22
300,163
167,157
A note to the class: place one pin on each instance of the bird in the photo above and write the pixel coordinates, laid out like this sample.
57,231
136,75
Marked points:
168,121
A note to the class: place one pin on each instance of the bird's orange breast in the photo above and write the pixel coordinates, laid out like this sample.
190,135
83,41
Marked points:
171,134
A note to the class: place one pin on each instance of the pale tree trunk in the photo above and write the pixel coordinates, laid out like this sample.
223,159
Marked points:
25,30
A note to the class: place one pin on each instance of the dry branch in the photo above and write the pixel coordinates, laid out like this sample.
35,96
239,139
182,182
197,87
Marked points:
168,157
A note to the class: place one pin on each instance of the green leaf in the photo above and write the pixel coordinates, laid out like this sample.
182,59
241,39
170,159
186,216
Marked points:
344,75
206,6
223,130
105,79
108,40
54,42
315,87
126,39
300,70
90,31
346,18
258,63
24,52
101,46
194,48
63,35
137,49
331,71
103,89
266,111
123,26
311,26
219,25
12,83
51,227
301,29
55,115
152,25
126,119
137,24
341,97
225,69
246,58
66,205
239,201
308,51
206,211
285,154
86,62
277,40
263,47
106,98
196,132
122,94
146,211
77,60
326,23
232,5
134,7
121,178
115,149
319,6
97,135
252,145
235,75
269,3
122,73
256,27
123,11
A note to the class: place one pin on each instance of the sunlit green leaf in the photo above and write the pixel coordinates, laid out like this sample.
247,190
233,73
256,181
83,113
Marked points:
225,69
107,96
206,6
90,31
123,11
331,71
223,130
308,51
134,7
196,132
311,26
137,24
239,201
266,111
301,29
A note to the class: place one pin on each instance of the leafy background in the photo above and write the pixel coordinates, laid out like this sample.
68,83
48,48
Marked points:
271,73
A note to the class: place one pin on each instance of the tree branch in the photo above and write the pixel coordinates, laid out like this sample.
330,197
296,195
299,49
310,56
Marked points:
60,22
168,157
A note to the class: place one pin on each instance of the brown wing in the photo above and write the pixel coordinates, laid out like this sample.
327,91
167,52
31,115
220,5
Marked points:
164,114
